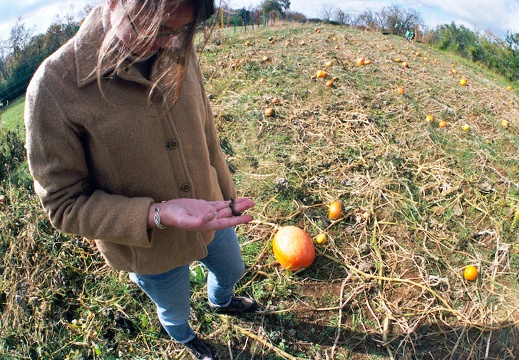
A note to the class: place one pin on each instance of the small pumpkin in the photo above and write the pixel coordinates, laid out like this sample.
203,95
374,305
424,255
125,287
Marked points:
334,210
321,238
470,273
321,74
293,248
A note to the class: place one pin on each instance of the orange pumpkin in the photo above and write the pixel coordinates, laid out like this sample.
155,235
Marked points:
321,74
334,210
470,273
293,248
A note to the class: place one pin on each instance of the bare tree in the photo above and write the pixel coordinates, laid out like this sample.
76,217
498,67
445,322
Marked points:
342,18
327,11
368,19
398,20
19,37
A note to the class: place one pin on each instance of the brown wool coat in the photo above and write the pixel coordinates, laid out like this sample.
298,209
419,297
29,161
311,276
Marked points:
100,160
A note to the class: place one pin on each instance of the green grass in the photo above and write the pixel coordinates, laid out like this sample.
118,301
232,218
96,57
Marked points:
11,117
420,203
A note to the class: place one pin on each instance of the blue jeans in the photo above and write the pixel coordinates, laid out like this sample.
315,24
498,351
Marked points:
170,291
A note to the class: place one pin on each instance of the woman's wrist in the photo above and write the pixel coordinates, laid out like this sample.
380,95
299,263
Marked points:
154,217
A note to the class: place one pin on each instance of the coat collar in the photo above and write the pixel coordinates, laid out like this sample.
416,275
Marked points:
87,44
88,41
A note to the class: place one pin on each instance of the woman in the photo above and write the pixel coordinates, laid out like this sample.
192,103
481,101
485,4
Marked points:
123,149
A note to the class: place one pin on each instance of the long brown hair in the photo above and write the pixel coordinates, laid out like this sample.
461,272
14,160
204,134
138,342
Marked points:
151,14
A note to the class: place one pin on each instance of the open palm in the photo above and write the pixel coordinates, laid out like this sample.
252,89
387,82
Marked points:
201,215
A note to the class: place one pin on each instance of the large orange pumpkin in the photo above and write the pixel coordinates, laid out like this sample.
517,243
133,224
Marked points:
293,248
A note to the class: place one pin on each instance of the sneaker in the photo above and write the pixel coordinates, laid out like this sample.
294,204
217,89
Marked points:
238,305
200,350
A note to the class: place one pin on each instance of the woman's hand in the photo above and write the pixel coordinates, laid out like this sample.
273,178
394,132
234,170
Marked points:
201,215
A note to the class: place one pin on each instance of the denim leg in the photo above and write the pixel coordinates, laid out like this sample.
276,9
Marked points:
225,266
170,292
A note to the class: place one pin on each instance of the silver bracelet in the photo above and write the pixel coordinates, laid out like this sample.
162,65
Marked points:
156,218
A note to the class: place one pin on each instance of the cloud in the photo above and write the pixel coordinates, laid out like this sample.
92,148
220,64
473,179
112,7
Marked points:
497,15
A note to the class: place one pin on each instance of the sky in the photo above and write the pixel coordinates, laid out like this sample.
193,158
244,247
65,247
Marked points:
499,16
37,13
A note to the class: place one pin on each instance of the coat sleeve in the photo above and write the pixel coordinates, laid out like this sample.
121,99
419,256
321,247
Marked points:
213,143
58,165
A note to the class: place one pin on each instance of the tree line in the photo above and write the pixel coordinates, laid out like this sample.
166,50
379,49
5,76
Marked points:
23,51
501,55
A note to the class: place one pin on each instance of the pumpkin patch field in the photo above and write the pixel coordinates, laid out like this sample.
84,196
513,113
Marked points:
424,178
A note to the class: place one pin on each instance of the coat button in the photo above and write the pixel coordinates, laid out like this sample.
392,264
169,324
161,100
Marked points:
172,144
185,187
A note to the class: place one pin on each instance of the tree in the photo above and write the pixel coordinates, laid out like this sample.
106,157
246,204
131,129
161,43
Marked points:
367,19
3,60
398,20
512,42
342,18
457,39
285,5
512,45
296,16
61,29
23,52
327,12
19,37
280,6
